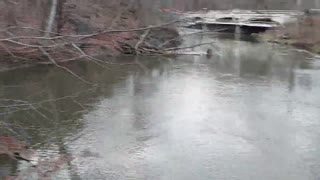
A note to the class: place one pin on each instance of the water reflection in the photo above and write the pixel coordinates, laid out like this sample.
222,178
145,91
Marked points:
249,112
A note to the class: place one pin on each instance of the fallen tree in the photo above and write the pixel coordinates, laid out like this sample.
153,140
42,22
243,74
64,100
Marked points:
69,47
68,35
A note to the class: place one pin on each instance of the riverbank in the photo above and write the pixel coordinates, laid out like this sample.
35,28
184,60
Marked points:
79,30
304,34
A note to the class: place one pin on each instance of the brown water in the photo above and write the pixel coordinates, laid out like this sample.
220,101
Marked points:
249,112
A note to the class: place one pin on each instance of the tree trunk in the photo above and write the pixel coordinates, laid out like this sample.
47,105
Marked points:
11,14
298,4
316,3
60,15
51,17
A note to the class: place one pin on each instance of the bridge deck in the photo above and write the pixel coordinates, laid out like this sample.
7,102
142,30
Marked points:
259,18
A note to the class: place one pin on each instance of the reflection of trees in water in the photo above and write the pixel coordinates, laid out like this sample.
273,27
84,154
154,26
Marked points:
44,106
59,101
40,103
7,166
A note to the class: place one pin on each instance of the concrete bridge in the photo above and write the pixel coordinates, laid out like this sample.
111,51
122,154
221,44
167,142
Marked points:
241,21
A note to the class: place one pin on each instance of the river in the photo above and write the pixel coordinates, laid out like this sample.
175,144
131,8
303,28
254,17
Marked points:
251,111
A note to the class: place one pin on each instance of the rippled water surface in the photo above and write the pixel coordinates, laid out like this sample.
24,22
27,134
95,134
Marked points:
251,111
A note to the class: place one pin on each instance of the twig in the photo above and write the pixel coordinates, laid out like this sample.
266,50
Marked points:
132,30
143,37
26,103
81,36
97,33
191,34
188,47
6,49
83,54
37,37
116,19
95,60
66,69
34,46
141,65
30,28
12,54
12,2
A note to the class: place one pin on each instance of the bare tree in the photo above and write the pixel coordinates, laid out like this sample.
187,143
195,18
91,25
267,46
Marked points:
51,17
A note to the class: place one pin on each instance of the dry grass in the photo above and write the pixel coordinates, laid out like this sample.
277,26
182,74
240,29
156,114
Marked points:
306,31
303,34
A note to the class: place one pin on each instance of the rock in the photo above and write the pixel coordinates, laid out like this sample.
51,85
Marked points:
209,53
285,37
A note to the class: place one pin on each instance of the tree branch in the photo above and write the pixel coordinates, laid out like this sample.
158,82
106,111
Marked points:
143,37
64,68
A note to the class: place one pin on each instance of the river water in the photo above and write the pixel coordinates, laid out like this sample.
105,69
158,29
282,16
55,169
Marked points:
251,111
